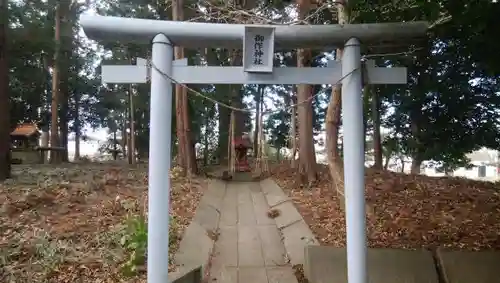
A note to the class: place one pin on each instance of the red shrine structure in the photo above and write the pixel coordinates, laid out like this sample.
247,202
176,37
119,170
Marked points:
241,145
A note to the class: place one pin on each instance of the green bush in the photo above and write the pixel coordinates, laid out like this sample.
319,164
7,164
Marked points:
134,241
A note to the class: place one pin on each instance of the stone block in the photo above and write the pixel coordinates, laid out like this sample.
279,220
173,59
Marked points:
192,275
329,265
469,266
295,238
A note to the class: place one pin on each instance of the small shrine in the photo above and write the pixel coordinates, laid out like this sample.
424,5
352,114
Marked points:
24,144
241,146
25,136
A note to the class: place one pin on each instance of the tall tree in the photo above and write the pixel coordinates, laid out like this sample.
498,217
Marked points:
132,145
186,156
4,95
377,137
77,126
333,114
66,53
258,97
307,154
54,130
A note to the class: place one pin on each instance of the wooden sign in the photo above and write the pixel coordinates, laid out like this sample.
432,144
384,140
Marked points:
258,49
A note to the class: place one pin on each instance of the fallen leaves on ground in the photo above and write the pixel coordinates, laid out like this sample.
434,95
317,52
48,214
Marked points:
65,224
409,211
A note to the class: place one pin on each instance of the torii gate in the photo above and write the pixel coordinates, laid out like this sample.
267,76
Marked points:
258,43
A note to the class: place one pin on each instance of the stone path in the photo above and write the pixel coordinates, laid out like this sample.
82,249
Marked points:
232,230
249,246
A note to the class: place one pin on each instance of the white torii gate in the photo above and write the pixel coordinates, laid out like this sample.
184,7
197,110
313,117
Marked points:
258,42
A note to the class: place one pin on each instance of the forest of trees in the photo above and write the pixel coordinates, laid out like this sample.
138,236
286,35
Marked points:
449,107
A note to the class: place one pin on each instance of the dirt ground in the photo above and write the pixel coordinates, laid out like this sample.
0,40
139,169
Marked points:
83,223
410,211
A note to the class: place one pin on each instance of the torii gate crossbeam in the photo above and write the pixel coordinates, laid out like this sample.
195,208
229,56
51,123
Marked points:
258,43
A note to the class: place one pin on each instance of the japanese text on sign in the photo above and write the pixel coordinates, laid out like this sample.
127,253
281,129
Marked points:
258,53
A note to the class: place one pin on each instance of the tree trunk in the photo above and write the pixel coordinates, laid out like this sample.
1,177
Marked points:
205,138
133,146
124,141
236,98
190,145
46,116
307,160
64,90
366,110
293,128
415,117
186,153
332,120
177,15
4,96
181,140
115,151
415,166
224,120
402,160
54,130
63,125
377,139
258,100
66,42
387,160
77,127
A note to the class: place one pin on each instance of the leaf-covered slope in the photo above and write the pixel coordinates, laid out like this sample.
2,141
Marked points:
409,211
83,223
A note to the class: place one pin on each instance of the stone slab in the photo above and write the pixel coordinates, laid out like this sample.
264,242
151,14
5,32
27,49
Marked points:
272,248
281,274
254,187
216,188
249,247
468,266
261,209
195,247
288,214
269,186
226,246
207,216
246,214
229,209
273,193
197,244
252,275
295,238
225,275
329,265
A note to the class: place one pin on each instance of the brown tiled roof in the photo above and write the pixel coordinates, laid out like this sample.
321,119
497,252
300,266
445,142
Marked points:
26,129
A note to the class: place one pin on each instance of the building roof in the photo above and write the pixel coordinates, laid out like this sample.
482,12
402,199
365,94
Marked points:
242,142
484,156
26,129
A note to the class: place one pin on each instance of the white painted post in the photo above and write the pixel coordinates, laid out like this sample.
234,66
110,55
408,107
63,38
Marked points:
354,162
160,132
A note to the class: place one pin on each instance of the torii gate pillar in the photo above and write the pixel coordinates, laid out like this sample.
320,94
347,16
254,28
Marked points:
159,158
354,162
